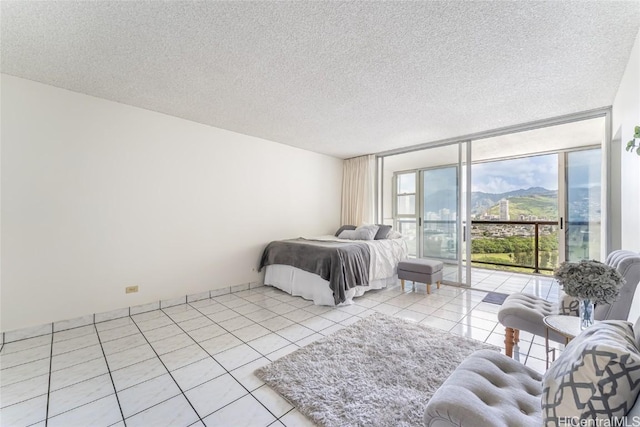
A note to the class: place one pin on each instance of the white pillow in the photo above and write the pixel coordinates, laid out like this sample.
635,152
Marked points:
393,234
597,376
364,232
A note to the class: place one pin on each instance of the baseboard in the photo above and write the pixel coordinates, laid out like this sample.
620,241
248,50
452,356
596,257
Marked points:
88,319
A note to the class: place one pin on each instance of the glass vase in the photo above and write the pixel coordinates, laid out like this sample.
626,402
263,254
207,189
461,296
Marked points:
586,314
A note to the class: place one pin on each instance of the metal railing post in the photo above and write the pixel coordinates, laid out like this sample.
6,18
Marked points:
535,251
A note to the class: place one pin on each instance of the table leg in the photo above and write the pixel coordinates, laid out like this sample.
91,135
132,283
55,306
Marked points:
546,344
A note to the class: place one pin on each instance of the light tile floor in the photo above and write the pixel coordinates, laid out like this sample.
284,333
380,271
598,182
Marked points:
192,364
502,281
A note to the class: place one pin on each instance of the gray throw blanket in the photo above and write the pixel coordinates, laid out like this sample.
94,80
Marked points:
344,265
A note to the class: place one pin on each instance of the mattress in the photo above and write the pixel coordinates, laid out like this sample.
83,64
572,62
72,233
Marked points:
313,287
384,256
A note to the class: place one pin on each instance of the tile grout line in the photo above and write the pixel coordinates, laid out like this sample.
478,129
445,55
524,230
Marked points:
46,416
84,404
94,322
2,333
178,368
276,332
211,356
238,307
168,371
239,314
225,369
316,315
106,361
186,298
270,331
273,332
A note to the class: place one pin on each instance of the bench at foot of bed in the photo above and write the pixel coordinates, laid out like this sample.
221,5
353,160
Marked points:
421,271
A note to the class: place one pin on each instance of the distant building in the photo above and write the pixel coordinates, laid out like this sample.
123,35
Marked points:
504,210
431,221
448,221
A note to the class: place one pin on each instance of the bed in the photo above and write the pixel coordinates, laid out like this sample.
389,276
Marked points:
329,270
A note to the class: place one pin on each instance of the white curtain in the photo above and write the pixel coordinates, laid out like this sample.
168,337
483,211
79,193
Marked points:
358,189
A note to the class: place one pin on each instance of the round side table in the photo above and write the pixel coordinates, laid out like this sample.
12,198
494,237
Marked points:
567,326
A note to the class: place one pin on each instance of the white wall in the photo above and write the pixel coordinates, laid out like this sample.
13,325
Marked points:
625,116
98,195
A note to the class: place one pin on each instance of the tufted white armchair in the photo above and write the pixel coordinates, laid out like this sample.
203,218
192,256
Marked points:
487,389
526,312
491,389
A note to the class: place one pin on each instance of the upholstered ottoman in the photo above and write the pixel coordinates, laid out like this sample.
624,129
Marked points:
487,389
421,271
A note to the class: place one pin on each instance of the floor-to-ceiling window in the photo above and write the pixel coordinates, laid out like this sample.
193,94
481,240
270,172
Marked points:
533,198
583,206
514,213
426,202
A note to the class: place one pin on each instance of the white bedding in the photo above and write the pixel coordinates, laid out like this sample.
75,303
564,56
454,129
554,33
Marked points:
384,256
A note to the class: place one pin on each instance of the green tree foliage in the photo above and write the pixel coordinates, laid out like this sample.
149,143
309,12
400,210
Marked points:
523,258
512,244
520,249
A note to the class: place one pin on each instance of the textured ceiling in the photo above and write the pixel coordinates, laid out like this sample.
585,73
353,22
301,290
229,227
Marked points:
341,78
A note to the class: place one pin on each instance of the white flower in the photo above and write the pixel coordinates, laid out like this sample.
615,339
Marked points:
591,280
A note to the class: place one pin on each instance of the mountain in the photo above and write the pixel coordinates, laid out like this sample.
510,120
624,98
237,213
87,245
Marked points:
543,207
537,201
584,203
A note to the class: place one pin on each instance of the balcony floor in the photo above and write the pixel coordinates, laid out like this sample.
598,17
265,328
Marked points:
506,282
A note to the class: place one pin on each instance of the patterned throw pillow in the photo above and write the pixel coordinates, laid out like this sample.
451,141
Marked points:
569,306
597,376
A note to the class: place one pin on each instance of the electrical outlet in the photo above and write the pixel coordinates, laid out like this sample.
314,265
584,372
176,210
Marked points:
131,289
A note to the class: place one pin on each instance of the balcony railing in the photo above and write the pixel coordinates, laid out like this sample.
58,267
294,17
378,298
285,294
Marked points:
521,244
524,245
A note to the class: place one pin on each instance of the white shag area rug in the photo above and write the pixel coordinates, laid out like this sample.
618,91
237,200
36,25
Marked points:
380,371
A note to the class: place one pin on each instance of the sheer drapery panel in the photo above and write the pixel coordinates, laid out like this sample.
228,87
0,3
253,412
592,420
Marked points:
358,188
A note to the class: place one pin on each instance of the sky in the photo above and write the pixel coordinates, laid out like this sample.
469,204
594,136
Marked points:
515,174
536,171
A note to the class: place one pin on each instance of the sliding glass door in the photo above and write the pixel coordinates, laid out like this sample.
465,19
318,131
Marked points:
440,200
428,205
583,205
535,200
443,210
405,209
